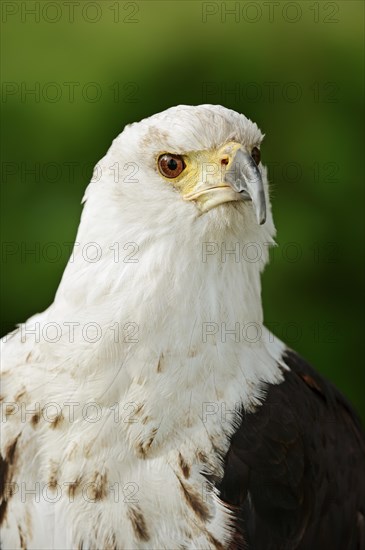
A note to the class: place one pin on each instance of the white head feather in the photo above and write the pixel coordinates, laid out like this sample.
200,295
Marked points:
130,202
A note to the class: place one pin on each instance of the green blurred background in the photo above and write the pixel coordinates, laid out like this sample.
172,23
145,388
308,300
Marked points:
296,68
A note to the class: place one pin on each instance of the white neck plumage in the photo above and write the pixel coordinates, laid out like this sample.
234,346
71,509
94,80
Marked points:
184,305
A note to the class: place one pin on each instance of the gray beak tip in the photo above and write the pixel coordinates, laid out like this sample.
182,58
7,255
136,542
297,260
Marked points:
249,183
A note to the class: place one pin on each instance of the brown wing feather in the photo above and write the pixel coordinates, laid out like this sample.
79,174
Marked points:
296,468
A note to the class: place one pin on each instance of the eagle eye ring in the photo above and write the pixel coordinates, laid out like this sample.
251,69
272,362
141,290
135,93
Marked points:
170,166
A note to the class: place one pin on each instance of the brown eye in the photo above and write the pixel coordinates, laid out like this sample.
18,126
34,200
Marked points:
171,166
256,155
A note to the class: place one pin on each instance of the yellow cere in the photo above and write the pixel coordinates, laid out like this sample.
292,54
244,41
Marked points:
203,169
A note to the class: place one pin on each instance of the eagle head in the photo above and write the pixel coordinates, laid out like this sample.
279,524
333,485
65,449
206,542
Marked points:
185,163
171,187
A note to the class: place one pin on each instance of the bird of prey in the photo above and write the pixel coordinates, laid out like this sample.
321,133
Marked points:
148,407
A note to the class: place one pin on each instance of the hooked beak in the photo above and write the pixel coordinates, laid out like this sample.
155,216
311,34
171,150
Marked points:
244,177
239,179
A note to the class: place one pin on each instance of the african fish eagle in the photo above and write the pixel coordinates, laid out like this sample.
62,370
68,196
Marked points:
137,410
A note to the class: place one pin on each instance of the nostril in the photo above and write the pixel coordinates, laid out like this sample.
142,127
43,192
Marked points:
224,161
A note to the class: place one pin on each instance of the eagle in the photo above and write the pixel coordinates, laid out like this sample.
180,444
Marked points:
149,407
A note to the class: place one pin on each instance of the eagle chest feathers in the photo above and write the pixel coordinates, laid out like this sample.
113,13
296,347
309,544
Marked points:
164,414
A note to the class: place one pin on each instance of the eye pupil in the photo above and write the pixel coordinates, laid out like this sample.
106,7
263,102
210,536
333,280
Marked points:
172,164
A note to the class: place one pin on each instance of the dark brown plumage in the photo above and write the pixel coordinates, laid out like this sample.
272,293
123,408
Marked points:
295,470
